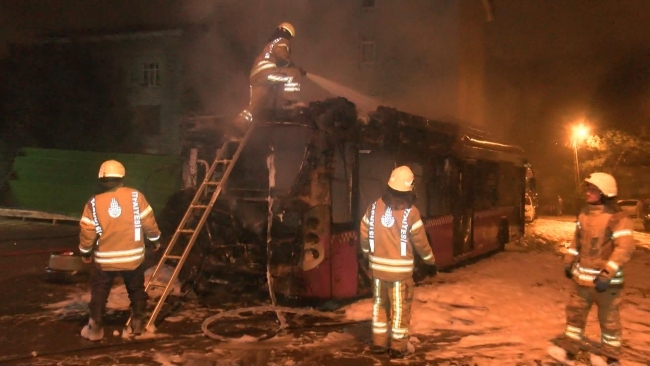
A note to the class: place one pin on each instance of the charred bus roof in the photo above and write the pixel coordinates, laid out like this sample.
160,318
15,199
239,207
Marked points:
394,130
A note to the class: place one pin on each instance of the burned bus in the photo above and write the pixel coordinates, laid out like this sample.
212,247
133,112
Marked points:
303,181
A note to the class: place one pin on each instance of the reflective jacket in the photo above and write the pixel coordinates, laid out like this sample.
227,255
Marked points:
602,242
114,225
388,236
275,54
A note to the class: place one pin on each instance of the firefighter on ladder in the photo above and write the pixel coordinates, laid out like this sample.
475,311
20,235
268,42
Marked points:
601,246
272,70
113,225
390,229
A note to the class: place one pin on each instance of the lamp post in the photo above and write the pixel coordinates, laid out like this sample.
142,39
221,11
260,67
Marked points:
580,133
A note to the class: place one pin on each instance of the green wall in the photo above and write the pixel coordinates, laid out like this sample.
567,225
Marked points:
62,181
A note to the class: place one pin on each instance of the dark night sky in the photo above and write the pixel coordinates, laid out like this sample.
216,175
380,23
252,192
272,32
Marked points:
551,61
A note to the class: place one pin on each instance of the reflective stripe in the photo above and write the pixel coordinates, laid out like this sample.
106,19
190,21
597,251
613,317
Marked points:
612,340
618,234
119,259
365,219
371,230
397,262
428,256
365,250
154,238
573,332
588,270
146,212
616,281
85,220
263,65
292,87
85,250
417,225
119,253
399,333
279,78
376,308
397,311
402,237
573,252
612,265
380,267
247,115
137,226
379,330
93,206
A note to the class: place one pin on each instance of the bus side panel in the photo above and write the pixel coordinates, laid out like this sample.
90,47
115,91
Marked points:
486,229
317,282
345,265
440,233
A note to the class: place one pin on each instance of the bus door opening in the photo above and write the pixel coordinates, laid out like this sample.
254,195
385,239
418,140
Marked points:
463,209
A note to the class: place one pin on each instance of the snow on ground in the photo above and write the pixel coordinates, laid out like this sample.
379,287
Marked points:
502,310
508,306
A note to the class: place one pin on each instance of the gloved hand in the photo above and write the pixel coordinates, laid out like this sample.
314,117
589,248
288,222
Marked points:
302,71
87,259
602,282
568,271
155,246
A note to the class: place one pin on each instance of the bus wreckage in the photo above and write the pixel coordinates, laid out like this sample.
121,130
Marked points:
292,205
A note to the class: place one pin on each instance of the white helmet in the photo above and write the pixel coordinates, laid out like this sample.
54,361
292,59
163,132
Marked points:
112,169
288,27
605,182
401,179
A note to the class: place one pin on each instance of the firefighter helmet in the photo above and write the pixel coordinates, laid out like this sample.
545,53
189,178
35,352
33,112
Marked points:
605,182
401,179
288,27
112,169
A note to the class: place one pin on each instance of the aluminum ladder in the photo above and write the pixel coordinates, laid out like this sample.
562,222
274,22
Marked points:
189,225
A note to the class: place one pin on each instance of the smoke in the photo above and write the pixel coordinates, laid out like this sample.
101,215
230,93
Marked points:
218,55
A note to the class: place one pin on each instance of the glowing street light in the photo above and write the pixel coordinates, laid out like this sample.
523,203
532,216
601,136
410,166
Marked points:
580,134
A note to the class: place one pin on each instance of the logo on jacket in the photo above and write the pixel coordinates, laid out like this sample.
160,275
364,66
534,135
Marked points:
114,210
387,218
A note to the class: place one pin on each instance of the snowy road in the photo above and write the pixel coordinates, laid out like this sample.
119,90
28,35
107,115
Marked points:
502,310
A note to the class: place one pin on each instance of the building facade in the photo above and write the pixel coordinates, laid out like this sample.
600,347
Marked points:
423,57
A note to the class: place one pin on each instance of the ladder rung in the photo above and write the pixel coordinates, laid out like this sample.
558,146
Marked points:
254,199
186,231
172,257
157,285
213,183
222,161
199,206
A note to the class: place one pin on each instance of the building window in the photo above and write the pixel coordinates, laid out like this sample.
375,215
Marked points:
150,74
368,52
367,3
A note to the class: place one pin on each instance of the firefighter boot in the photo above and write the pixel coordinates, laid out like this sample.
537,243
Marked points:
137,322
93,331
561,355
599,361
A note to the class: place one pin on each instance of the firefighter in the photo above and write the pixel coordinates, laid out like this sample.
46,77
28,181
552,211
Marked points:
390,229
274,77
113,227
601,247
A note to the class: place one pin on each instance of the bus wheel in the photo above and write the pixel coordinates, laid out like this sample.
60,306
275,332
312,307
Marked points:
503,237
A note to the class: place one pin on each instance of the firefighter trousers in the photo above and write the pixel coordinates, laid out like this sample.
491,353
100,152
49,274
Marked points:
101,283
391,313
608,302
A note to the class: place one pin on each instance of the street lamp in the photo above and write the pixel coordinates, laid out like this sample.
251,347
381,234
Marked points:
580,133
